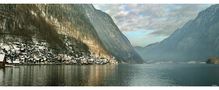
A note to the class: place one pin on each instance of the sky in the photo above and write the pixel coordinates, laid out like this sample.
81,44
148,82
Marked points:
145,24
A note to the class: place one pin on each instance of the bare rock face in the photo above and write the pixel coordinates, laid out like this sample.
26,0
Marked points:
213,60
53,30
111,37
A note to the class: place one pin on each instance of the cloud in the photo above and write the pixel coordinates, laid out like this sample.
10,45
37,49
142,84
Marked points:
162,19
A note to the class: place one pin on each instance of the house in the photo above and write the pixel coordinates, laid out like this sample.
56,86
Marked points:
2,60
16,61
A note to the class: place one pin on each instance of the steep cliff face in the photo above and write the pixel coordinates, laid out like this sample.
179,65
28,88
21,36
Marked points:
198,39
113,40
65,28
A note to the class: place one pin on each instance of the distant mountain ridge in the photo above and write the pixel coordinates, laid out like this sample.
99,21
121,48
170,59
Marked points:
197,40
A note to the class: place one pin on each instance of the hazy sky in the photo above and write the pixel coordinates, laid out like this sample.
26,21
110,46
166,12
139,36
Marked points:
144,24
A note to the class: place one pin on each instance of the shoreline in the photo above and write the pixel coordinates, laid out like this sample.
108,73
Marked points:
59,64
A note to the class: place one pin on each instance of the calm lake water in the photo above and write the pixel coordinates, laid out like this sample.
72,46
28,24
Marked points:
111,75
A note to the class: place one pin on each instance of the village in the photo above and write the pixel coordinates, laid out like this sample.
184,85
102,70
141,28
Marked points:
39,53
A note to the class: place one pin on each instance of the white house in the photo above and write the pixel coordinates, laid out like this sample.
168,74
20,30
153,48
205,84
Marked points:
2,56
2,63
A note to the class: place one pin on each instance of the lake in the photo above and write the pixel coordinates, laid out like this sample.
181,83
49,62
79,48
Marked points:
111,75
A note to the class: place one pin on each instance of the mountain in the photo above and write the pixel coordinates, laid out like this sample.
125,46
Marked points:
65,31
197,40
113,40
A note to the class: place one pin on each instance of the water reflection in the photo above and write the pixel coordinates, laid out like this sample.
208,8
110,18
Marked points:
111,75
52,75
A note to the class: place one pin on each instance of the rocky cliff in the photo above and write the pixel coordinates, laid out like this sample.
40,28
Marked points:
61,31
198,40
113,40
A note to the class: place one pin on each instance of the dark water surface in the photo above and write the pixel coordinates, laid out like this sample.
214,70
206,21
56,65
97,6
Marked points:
111,75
